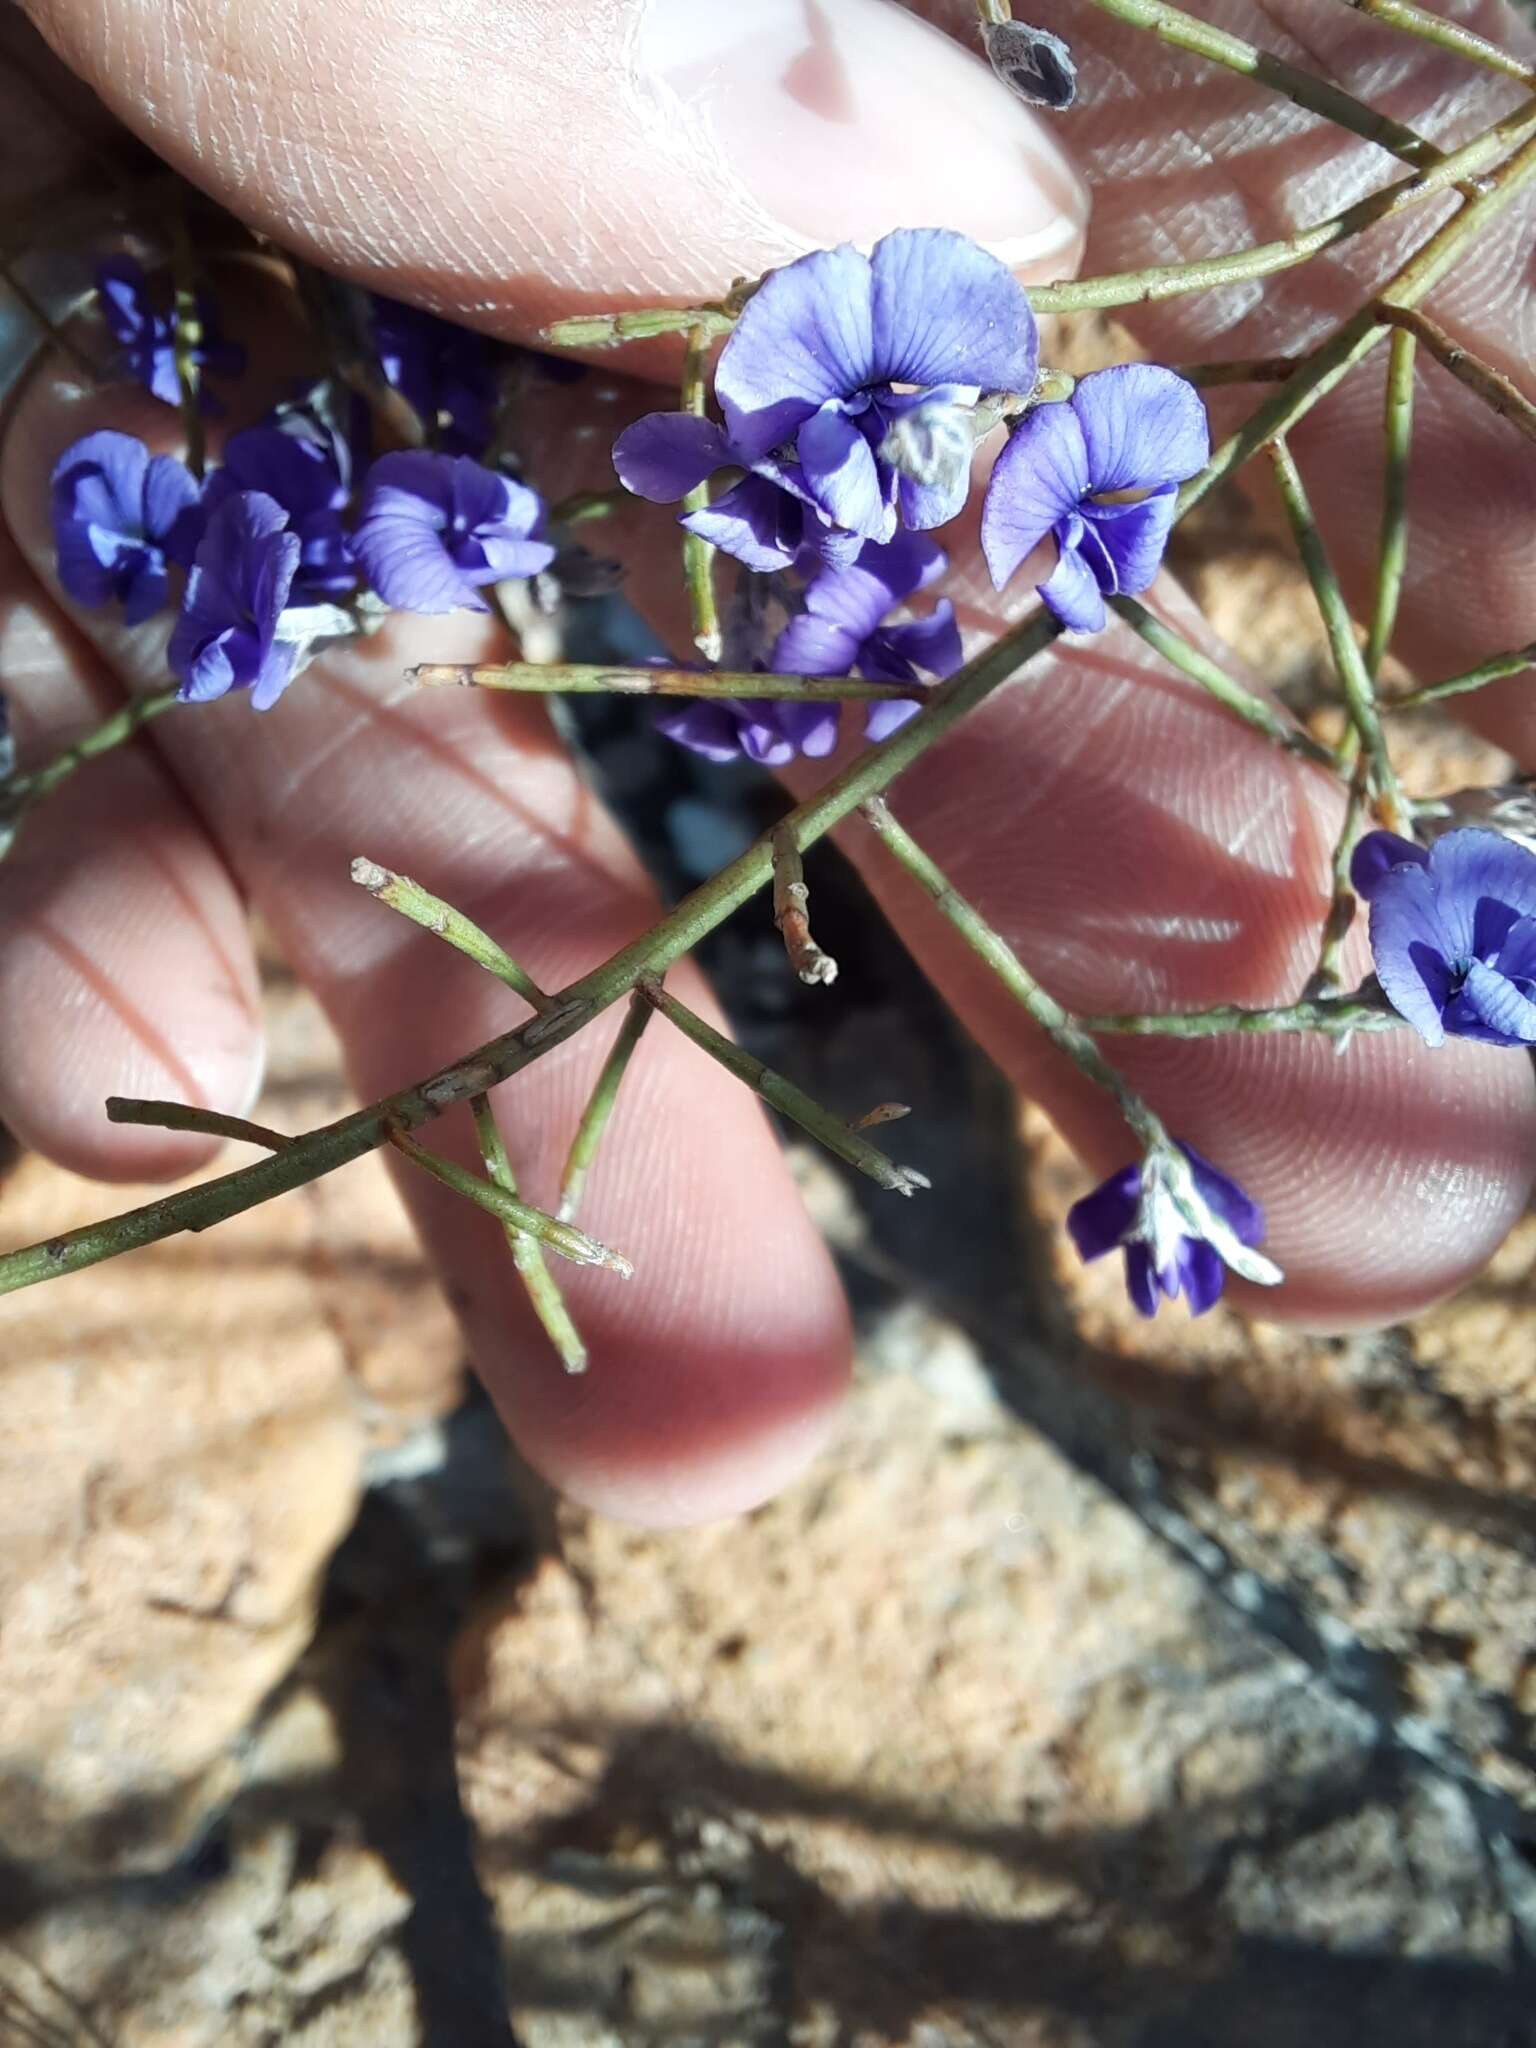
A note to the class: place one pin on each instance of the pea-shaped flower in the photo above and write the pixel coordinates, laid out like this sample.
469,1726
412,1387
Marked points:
435,529
227,635
826,356
1069,471
307,469
1181,1224
120,515
1453,933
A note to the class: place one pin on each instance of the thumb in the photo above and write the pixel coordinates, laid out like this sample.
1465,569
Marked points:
509,164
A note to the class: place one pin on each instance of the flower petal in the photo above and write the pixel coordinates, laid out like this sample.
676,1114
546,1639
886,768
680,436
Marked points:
946,312
813,646
1134,536
930,645
705,726
1376,856
668,454
1411,950
887,715
1141,1280
840,469
1100,1221
755,522
1073,594
803,337
1202,1275
1484,882
1040,477
1143,427
1233,1204
1507,1014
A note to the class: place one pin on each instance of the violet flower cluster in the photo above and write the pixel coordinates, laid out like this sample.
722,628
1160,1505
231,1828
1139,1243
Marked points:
847,393
1181,1225
296,523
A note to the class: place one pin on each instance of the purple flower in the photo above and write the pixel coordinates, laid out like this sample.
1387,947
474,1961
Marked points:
1453,932
226,637
807,384
447,373
839,633
119,516
1180,1222
1134,428
434,528
147,337
307,469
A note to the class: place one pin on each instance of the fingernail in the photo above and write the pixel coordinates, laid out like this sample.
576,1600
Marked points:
844,119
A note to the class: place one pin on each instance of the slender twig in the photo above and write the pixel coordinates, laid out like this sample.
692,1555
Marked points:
1348,660
1227,690
583,679
563,1238
527,1253
1496,390
337,314
444,922
1317,95
184,1116
595,1117
608,330
1338,923
1065,1031
1392,549
1329,364
187,339
1449,35
791,915
784,1096
25,790
582,507
1493,670
1334,1018
699,555
994,13
334,1145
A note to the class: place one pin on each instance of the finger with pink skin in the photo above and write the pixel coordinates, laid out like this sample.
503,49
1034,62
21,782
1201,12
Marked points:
125,963
718,1369
524,161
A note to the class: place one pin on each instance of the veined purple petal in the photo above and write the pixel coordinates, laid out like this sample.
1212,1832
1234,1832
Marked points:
1133,536
1039,479
1411,949
1234,1205
810,728
840,470
1072,590
118,515
238,586
1375,857
1517,955
667,454
1201,1274
811,645
930,646
887,715
1483,882
1143,427
803,337
436,527
1507,1014
946,312
755,522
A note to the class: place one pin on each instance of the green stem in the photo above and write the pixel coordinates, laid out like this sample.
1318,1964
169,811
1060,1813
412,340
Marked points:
187,339
334,1145
1183,31
1332,1018
1139,287
597,678
1496,391
1326,981
792,915
1493,670
582,507
23,791
1227,691
1348,661
994,13
183,1116
1327,366
1449,35
1255,370
1065,1031
444,922
784,1096
608,330
600,1103
527,1253
1392,551
698,555
563,1238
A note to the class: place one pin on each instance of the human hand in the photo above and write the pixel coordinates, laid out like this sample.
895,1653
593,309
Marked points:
1139,848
